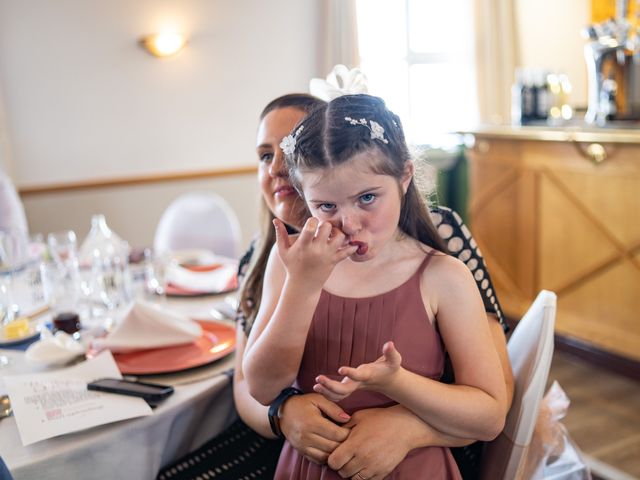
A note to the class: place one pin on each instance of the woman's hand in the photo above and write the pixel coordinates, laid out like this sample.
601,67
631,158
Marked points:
312,255
379,440
309,424
371,376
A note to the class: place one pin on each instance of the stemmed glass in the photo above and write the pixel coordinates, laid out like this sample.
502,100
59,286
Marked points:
64,279
12,252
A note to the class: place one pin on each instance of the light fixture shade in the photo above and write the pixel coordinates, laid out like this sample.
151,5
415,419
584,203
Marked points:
163,44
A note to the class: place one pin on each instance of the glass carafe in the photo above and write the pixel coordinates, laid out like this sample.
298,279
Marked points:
104,267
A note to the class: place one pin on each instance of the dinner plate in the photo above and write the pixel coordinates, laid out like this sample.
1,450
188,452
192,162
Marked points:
186,277
217,340
176,291
5,342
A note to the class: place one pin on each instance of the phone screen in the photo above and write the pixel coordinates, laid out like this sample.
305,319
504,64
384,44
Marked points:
145,390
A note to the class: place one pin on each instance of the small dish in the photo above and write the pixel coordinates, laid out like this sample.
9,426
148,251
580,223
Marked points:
32,334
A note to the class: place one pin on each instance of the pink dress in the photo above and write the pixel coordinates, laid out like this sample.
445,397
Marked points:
351,331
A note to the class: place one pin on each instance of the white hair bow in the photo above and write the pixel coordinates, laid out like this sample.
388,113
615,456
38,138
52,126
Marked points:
341,81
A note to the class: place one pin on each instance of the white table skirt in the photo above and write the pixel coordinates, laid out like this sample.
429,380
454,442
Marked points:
131,449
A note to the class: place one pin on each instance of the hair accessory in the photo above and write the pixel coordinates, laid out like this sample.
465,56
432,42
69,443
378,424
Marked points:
377,130
288,143
341,81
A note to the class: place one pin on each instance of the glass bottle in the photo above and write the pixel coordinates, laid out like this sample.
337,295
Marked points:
104,267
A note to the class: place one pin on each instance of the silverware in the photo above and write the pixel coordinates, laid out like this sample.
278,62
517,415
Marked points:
5,406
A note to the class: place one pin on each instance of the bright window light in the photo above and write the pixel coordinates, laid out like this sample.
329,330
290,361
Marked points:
421,64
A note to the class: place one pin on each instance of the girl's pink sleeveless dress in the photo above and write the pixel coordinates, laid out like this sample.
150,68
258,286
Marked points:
351,331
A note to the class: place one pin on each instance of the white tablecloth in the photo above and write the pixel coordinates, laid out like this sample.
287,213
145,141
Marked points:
133,449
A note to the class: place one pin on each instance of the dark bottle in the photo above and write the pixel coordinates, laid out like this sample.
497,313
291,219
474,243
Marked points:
542,95
529,92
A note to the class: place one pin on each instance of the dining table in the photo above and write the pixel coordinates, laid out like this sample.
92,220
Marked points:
200,408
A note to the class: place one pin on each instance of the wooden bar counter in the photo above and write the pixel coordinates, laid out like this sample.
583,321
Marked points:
559,209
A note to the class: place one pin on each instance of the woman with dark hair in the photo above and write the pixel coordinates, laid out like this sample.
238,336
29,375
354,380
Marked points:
368,275
305,419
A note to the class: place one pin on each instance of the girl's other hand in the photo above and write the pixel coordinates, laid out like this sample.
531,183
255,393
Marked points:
370,376
309,423
313,254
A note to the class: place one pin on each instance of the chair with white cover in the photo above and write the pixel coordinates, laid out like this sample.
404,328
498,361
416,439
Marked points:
530,351
199,220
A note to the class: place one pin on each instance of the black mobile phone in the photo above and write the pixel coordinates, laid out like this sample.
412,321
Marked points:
149,391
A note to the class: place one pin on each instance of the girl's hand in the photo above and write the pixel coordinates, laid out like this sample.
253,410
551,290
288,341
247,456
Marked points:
369,376
312,256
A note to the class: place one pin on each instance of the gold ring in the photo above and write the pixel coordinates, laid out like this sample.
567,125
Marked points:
358,476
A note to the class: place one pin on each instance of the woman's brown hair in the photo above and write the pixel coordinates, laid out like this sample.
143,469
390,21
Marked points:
251,292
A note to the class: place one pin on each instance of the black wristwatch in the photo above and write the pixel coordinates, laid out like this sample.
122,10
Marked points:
274,409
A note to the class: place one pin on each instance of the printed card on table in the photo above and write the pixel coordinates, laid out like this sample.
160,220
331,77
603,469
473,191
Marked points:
49,404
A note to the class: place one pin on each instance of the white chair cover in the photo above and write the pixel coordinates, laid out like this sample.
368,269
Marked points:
12,217
530,351
199,220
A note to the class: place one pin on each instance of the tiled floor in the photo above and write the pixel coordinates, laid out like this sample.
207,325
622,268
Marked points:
604,415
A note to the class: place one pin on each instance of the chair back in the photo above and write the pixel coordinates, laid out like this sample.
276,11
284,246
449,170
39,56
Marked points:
530,352
199,220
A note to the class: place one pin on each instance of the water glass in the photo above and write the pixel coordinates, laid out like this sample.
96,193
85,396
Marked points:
62,275
110,279
156,273
12,256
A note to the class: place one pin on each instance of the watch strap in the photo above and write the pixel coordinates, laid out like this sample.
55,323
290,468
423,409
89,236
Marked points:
274,408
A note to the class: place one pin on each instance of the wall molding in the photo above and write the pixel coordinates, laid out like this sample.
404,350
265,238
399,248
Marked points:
126,181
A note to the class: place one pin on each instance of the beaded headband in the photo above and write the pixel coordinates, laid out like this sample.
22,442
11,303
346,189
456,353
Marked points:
377,130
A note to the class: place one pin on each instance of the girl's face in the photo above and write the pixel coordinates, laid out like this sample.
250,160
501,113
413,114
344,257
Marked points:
281,198
365,205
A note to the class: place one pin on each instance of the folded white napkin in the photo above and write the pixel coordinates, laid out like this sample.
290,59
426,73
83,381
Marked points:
52,349
220,279
146,325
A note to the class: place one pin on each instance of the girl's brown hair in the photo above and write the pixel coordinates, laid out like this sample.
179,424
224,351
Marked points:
333,133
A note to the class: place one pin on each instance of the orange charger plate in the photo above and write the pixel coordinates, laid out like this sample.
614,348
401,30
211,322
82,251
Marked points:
217,340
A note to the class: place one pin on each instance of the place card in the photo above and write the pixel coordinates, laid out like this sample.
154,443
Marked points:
55,403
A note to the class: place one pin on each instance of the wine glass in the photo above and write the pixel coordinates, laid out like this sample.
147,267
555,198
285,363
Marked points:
12,252
64,279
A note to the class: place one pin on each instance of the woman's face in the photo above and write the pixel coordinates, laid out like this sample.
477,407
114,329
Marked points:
281,198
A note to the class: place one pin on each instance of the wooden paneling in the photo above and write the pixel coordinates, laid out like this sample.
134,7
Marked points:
548,218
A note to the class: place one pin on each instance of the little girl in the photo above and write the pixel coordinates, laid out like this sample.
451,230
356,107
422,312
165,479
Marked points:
361,305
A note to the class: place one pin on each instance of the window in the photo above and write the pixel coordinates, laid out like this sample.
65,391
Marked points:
418,56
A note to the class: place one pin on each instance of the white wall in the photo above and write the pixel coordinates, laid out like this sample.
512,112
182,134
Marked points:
83,100
134,211
80,100
549,38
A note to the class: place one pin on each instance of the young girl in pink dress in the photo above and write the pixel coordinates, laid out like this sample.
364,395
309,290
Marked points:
363,303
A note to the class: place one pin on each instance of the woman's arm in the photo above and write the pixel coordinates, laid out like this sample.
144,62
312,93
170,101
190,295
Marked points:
500,343
381,438
309,422
250,410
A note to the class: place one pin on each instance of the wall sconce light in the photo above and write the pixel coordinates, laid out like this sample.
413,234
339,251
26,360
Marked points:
163,44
